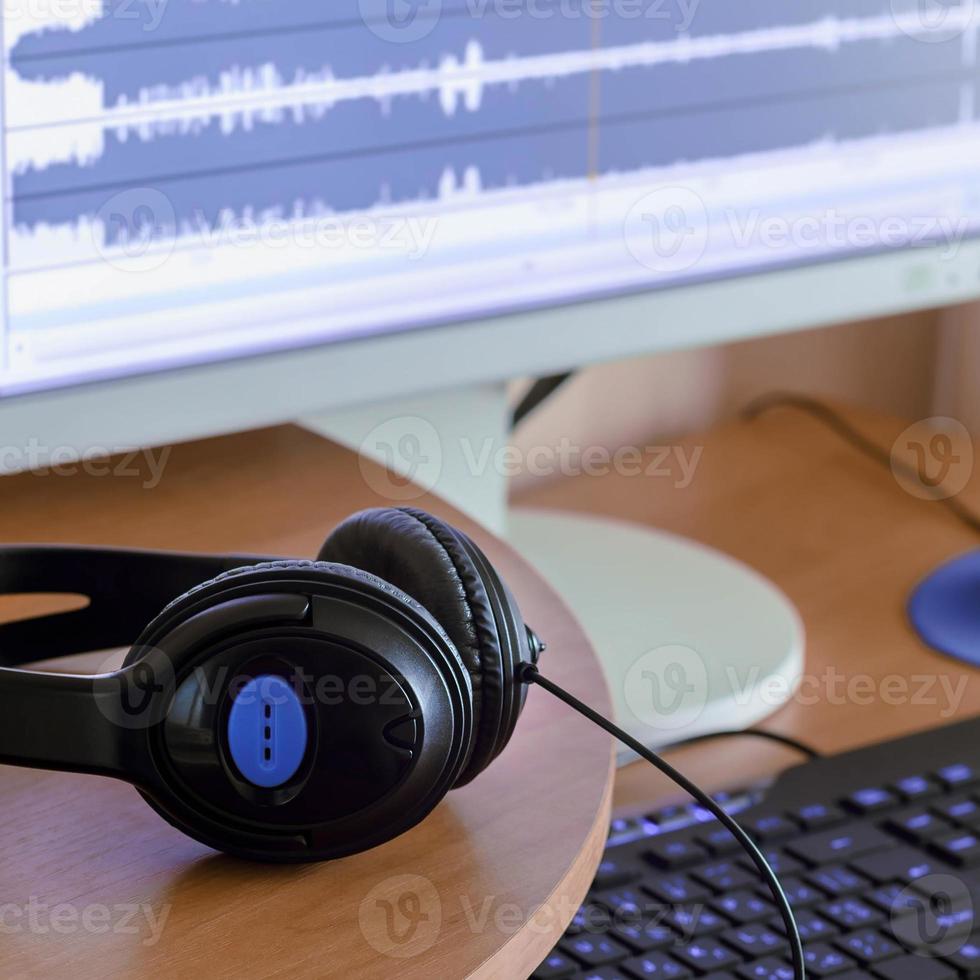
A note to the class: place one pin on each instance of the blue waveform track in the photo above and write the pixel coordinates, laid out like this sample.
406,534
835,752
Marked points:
259,107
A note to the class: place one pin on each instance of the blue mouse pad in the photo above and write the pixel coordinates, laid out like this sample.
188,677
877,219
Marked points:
945,609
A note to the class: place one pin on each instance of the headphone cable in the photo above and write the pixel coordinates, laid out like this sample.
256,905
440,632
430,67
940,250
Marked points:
530,675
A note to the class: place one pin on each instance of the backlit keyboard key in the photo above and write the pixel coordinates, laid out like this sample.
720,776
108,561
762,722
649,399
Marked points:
957,776
961,849
742,907
914,968
918,825
556,966
594,950
903,864
656,966
677,889
836,880
817,816
840,844
870,800
754,940
675,853
915,788
823,960
868,946
768,969
851,913
723,876
706,954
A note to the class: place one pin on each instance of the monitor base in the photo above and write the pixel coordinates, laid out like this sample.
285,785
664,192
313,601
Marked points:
691,641
945,609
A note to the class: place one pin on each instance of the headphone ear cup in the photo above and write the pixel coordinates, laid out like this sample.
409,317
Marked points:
447,573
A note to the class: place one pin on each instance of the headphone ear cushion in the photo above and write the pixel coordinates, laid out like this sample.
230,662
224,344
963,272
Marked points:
428,559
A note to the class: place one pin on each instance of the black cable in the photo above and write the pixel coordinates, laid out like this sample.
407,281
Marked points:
539,392
530,675
850,434
792,743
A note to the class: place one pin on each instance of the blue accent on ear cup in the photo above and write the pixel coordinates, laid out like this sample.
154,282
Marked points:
267,731
945,609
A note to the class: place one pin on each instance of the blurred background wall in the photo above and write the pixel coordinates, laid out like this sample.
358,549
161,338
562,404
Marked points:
913,366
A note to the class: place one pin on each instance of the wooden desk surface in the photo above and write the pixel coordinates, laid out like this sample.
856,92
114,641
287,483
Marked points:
839,535
94,884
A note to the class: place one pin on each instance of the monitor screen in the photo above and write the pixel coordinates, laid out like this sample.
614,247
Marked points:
195,180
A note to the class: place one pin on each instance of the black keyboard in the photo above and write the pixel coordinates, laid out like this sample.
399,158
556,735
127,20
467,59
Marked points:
878,851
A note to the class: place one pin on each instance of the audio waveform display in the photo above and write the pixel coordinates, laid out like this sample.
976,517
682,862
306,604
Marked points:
142,128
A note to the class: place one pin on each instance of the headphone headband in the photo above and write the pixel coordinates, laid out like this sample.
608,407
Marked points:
126,589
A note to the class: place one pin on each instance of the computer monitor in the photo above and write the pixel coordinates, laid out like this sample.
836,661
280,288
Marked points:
221,214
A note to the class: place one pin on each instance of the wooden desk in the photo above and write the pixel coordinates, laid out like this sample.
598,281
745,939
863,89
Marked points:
837,533
93,884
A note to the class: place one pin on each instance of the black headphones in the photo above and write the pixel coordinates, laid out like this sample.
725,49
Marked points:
281,710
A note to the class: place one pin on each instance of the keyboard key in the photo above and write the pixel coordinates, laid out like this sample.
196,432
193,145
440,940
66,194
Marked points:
887,898
768,969
724,975
677,889
958,776
706,954
645,936
936,916
591,918
851,913
870,800
555,966
914,968
769,827
900,864
824,961
614,871
918,825
799,893
868,946
810,926
656,966
754,940
961,849
780,862
817,816
718,841
840,844
593,950
694,921
836,880
627,904
915,788
743,906
675,853
723,876
967,959
603,973
959,809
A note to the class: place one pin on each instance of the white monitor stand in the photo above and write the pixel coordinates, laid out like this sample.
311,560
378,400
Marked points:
691,640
